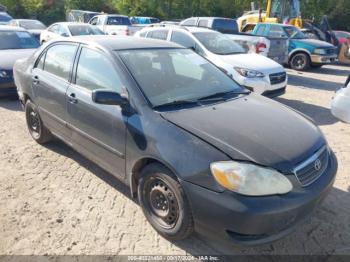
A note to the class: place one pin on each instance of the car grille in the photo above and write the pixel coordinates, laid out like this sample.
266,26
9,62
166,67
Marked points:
310,170
278,78
331,51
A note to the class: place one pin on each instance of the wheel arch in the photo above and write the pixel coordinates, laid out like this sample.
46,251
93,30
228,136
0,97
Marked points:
137,168
299,50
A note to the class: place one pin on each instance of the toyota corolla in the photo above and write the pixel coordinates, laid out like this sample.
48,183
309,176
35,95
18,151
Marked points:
198,151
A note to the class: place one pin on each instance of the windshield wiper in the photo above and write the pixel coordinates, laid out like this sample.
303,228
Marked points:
177,103
223,95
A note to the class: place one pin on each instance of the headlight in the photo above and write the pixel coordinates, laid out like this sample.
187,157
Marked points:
3,74
249,73
320,51
249,179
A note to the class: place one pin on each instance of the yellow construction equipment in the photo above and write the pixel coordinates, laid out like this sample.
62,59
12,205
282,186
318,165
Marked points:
277,11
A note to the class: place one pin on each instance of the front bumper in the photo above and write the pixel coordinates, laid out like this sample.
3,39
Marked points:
7,89
341,106
255,220
323,59
262,85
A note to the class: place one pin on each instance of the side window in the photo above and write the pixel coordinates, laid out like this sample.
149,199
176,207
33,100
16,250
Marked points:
143,34
95,71
59,60
203,23
182,39
54,29
277,31
94,21
158,34
189,22
62,30
261,30
40,63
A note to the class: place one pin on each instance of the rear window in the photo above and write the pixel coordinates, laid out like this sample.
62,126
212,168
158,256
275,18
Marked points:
226,26
77,30
17,40
4,18
118,20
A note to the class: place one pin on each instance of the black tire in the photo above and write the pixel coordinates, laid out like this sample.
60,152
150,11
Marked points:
36,127
300,62
164,203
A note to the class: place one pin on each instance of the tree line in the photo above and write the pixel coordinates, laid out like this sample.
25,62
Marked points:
50,11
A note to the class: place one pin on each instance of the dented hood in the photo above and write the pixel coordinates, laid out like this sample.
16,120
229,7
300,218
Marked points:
253,128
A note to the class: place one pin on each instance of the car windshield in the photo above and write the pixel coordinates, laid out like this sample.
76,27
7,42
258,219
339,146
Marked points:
118,20
219,44
32,25
169,76
77,30
17,40
294,32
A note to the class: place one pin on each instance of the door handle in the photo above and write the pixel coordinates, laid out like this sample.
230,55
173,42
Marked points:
72,99
35,80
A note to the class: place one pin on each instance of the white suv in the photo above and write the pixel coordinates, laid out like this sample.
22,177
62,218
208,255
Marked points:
256,72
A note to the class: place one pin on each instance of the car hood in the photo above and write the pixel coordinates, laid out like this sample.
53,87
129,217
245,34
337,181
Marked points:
255,129
9,57
253,61
314,43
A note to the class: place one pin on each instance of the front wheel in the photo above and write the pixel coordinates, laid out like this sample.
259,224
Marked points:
300,62
35,125
164,203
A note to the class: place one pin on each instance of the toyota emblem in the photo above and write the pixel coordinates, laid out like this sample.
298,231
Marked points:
318,165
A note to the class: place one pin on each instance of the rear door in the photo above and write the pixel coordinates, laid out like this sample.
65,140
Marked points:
98,131
50,81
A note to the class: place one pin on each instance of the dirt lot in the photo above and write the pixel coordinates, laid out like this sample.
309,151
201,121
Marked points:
54,201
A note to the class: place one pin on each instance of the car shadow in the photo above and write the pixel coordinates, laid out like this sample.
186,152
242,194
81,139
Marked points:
330,71
320,225
306,82
321,115
12,104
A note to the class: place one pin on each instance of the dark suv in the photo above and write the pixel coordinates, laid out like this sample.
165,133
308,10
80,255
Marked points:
223,25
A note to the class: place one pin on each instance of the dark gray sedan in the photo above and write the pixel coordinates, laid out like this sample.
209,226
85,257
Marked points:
199,151
15,43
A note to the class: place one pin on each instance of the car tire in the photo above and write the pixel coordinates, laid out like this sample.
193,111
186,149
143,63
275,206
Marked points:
300,62
35,125
164,203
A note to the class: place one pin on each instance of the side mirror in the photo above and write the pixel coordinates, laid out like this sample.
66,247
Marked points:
106,97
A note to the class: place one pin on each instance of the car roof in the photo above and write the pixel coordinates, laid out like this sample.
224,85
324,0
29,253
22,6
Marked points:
12,28
115,43
112,15
209,17
190,29
71,23
25,20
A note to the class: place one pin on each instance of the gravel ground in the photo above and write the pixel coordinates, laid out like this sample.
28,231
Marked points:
54,201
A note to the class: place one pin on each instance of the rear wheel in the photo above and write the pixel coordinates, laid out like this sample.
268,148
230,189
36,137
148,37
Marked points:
164,203
35,125
300,62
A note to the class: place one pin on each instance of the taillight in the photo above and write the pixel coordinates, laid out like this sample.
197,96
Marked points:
127,32
260,47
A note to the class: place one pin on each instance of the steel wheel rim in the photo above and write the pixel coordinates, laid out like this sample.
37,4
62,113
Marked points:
299,62
161,202
34,122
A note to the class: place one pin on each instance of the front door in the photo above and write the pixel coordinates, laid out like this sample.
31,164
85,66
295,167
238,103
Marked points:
98,131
